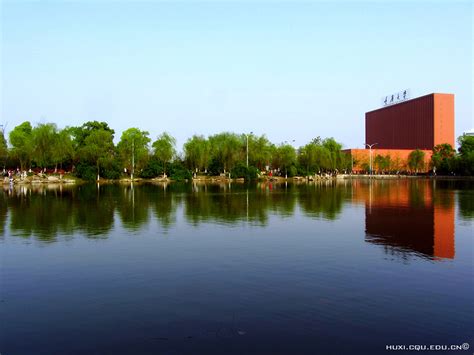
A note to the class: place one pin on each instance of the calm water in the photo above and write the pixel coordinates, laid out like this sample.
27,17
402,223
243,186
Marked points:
321,268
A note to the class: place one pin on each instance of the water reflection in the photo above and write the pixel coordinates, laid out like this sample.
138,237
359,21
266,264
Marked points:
404,216
409,217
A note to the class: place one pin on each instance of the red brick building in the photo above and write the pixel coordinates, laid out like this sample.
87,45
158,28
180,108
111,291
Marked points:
398,129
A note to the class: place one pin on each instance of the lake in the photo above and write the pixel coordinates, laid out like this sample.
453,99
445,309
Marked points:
320,268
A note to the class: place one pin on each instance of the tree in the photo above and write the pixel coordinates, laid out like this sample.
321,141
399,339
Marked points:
3,149
44,141
98,147
133,149
260,151
63,149
336,160
226,150
416,160
466,144
21,140
382,163
81,133
197,153
308,157
442,159
466,155
285,157
164,149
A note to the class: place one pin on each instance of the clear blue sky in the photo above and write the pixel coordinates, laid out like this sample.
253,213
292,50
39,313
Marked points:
291,70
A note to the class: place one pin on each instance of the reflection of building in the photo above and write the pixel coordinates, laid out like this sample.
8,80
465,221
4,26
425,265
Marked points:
397,130
408,217
427,230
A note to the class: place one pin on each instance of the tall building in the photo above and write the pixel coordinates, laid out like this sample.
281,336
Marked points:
420,123
398,129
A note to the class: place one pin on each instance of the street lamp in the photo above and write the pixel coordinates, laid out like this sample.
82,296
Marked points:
370,147
247,135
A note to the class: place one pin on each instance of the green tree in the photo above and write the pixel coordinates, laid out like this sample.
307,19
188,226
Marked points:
336,158
309,157
98,148
382,163
81,133
63,149
44,142
3,149
466,144
443,158
466,155
21,139
226,150
285,158
133,149
416,160
197,153
260,151
164,149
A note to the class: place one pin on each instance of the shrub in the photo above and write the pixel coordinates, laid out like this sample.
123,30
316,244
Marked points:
241,171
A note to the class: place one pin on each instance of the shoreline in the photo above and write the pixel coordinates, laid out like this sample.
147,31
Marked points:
71,180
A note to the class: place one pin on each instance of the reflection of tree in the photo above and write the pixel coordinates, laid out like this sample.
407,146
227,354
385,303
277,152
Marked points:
44,215
466,204
3,214
132,205
223,204
164,201
322,199
94,209
46,212
417,191
283,201
465,195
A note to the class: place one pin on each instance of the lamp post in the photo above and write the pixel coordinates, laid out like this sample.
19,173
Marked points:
370,147
247,135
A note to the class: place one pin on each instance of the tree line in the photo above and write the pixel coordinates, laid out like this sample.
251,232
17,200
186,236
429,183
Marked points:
89,152
445,160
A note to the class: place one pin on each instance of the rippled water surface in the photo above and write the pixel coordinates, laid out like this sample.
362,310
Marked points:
331,268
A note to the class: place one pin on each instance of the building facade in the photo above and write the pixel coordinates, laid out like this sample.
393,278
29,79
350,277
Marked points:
420,123
395,131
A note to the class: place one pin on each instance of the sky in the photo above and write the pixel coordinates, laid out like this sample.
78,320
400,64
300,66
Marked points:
292,70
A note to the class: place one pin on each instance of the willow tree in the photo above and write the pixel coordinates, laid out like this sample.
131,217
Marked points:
44,141
63,149
309,157
197,153
284,158
164,149
21,139
226,150
260,151
416,160
133,149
